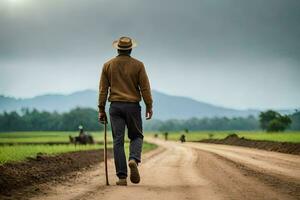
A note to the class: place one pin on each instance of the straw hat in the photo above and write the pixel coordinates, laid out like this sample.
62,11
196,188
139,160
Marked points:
124,43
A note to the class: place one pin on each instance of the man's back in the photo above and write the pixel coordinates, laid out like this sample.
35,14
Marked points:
126,79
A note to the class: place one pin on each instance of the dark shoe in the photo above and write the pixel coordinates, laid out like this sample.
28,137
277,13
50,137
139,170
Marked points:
134,172
122,182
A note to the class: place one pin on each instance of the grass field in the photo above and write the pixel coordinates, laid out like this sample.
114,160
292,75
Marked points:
44,136
22,151
254,135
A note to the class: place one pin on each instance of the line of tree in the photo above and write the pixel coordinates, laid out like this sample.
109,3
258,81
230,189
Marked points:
34,120
272,121
295,121
194,124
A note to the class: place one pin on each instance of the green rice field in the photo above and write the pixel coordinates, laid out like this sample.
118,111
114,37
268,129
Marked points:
20,152
289,136
44,136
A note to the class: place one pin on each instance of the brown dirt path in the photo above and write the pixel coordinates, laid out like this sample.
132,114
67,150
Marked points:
193,171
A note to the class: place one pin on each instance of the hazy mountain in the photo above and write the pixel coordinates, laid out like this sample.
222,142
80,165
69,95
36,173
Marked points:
51,102
165,106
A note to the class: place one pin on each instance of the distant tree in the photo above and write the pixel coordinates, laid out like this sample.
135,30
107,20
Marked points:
295,120
11,121
33,119
194,124
86,116
266,117
272,121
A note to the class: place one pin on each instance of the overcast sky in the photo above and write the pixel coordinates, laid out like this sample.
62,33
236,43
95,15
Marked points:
233,53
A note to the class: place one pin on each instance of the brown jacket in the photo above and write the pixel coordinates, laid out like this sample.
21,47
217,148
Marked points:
126,79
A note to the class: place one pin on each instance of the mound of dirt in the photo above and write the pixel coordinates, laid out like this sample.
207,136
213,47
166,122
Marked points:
15,176
233,139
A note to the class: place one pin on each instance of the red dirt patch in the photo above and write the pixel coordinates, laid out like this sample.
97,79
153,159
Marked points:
233,139
18,175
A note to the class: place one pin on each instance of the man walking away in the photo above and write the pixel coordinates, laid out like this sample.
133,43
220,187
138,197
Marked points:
126,80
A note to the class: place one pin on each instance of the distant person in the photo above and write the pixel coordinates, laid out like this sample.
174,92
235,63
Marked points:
126,80
84,137
166,136
182,138
81,131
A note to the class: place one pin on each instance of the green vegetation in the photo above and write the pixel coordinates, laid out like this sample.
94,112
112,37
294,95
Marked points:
290,136
22,151
272,121
34,120
44,136
195,124
146,148
295,121
249,123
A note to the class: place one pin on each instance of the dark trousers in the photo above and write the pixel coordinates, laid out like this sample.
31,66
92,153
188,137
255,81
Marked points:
126,114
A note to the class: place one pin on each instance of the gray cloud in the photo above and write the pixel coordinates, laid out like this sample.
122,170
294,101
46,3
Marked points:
207,28
195,38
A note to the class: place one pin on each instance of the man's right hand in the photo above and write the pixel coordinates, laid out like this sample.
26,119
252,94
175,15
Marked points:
149,114
102,117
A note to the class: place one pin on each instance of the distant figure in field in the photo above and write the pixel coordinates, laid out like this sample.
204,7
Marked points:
81,131
83,138
166,136
182,138
126,81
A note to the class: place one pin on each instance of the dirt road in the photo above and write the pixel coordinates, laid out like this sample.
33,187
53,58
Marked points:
193,171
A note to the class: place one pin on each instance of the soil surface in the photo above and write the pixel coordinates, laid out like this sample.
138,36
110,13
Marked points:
233,139
190,171
14,177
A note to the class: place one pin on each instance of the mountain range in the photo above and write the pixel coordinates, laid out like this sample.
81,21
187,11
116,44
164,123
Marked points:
165,106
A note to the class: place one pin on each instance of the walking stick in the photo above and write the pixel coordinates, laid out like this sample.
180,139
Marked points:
105,151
